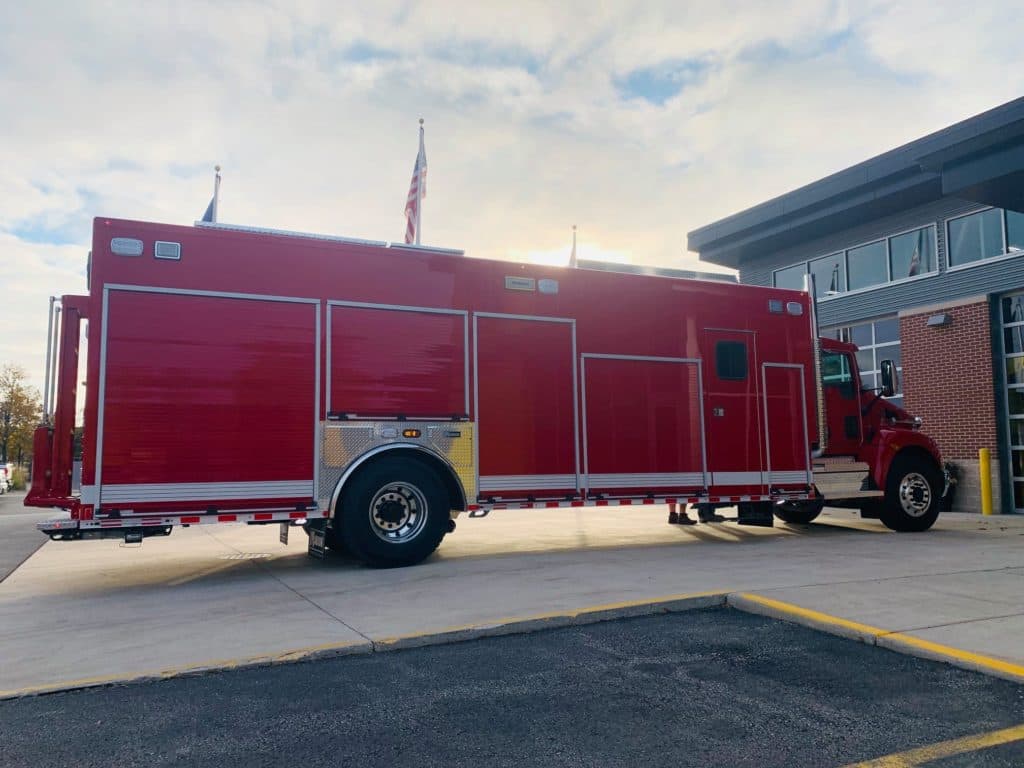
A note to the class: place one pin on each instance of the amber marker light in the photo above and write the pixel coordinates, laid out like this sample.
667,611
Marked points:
411,433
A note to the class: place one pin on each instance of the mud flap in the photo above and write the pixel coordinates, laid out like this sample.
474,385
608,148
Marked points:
759,513
317,542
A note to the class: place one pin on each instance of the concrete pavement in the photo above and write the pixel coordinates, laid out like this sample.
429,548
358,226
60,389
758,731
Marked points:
215,595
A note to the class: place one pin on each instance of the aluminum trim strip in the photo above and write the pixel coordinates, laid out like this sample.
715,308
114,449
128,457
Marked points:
147,492
526,482
645,479
540,318
737,478
795,476
214,294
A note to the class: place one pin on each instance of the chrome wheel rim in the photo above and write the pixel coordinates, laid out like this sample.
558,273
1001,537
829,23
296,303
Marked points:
915,494
398,512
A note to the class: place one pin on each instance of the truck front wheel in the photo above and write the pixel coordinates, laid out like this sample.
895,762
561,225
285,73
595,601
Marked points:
911,494
393,512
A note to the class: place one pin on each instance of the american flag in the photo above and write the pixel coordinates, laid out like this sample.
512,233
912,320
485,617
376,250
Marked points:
417,191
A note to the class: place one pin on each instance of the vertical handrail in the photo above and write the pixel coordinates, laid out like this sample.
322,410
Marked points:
819,391
56,351
49,363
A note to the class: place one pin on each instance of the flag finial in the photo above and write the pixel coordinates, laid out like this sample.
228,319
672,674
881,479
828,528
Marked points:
421,121
216,168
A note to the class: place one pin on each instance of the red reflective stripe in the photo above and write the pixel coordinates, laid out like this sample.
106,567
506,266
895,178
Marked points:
296,515
325,513
602,503
192,519
625,502
263,516
227,518
692,500
472,507
551,504
649,501
578,504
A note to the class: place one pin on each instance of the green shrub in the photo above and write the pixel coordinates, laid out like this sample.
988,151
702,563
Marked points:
18,479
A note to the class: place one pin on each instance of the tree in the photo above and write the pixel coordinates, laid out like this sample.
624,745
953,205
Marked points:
20,412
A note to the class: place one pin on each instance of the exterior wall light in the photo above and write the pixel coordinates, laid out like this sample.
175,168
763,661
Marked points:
937,321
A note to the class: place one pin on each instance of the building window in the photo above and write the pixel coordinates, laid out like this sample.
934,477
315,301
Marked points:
1014,231
791,277
911,254
829,274
1013,356
877,340
867,265
894,258
975,237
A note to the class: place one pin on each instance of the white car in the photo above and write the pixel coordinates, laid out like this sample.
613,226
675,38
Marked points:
5,477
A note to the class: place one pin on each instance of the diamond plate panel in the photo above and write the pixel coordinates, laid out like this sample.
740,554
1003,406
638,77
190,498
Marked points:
344,442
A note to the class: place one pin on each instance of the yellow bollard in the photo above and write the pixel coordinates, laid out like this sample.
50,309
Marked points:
985,468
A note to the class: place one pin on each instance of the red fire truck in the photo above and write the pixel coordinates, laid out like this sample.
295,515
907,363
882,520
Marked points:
372,391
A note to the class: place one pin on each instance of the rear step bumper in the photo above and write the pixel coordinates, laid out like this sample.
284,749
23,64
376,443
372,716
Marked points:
65,529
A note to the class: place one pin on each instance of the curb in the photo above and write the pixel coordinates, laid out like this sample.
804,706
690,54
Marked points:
881,638
741,601
448,635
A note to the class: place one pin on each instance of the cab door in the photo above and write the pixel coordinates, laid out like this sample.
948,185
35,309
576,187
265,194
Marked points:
842,403
732,415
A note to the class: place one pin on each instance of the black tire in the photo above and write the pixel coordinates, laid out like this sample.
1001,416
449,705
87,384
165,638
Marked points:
912,492
799,512
393,512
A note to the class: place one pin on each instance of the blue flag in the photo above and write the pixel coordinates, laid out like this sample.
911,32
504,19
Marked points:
208,216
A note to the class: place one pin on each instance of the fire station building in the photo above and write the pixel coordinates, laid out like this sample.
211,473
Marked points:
918,256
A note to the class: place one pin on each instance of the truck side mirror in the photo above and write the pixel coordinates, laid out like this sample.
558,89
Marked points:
889,378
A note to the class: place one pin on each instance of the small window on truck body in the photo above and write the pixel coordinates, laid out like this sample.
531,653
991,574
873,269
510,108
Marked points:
731,360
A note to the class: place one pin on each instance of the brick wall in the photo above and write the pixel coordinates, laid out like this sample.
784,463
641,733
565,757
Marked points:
947,381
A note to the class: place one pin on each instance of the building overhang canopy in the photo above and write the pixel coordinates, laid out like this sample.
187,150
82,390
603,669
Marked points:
979,159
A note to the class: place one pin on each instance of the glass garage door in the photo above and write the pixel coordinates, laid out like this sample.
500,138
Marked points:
1013,356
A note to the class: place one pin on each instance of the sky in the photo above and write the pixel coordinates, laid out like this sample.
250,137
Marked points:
635,121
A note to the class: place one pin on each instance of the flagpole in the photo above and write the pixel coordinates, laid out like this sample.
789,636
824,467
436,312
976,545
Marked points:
572,256
419,188
216,191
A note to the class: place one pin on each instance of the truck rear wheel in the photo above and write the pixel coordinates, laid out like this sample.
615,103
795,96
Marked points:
799,512
393,512
911,494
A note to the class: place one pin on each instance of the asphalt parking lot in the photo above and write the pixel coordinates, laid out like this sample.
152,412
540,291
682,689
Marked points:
19,538
711,687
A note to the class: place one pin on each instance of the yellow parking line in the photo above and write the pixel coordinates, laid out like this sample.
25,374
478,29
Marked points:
816,616
956,656
932,752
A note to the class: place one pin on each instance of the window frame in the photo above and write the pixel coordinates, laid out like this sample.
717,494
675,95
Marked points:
950,266
933,226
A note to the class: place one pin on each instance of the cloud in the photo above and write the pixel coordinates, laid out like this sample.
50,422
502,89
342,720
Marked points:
636,122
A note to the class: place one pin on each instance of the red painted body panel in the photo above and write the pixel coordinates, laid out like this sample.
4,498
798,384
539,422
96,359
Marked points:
733,411
386,362
642,417
244,399
526,402
786,441
202,389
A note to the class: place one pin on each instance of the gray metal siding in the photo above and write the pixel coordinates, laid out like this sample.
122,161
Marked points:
982,278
